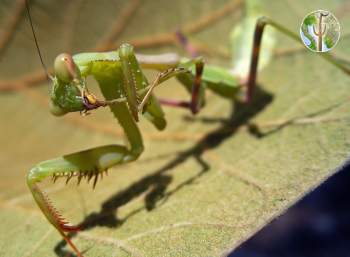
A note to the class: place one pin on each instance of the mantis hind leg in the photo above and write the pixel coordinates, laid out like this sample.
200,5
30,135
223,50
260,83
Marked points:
259,29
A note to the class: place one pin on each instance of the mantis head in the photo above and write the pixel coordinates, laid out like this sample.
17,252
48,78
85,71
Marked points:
66,93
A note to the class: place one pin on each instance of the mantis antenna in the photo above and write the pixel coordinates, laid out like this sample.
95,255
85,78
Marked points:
36,41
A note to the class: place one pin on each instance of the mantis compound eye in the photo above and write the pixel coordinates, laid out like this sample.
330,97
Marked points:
65,68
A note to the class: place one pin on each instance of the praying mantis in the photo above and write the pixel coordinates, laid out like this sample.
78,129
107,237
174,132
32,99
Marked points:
129,95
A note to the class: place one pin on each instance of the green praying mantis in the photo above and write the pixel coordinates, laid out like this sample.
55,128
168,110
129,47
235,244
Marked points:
128,94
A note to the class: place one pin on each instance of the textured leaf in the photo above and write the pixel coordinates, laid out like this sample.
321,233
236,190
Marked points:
203,185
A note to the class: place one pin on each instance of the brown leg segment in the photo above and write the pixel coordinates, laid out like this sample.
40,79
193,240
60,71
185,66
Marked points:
193,105
259,29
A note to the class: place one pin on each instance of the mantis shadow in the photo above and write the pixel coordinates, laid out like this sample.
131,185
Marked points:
155,185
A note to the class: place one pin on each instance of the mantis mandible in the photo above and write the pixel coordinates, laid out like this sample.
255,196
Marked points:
128,94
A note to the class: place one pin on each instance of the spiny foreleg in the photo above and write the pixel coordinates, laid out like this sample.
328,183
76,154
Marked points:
89,164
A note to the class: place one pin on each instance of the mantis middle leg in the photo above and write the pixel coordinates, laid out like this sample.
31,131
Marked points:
183,73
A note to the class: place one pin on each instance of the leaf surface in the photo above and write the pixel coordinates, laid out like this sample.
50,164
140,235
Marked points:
204,184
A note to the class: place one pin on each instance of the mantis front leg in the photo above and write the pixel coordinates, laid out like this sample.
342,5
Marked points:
89,164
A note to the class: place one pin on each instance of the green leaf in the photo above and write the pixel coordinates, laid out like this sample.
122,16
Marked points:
203,185
304,30
329,42
310,20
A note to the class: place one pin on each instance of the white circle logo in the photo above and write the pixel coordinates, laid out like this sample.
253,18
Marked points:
320,31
